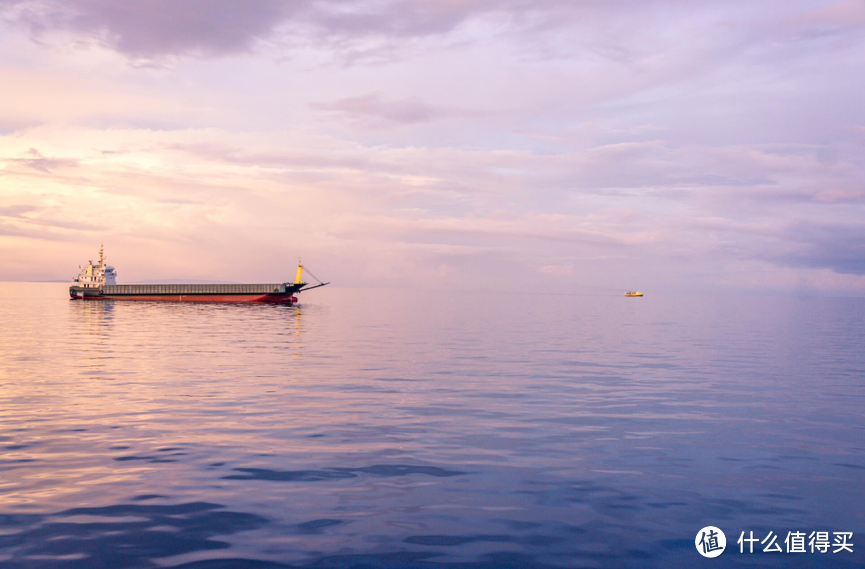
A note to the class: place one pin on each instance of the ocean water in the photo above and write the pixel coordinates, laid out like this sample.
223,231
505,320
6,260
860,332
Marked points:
381,428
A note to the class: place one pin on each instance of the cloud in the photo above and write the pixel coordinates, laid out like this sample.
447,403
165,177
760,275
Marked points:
43,229
404,111
185,194
274,158
154,28
36,161
17,210
559,270
837,246
13,230
675,140
833,16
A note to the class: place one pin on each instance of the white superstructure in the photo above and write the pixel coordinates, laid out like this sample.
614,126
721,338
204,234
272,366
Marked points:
95,276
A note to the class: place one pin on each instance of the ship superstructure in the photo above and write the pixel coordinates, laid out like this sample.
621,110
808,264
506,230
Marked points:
99,282
96,276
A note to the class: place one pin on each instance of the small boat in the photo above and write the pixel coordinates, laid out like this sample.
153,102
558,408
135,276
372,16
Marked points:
633,293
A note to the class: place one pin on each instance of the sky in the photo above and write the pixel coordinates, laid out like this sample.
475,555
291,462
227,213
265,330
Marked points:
579,146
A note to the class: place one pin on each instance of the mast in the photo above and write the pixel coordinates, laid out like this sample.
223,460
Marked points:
298,279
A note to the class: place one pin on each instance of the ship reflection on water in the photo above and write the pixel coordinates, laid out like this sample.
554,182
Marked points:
91,319
373,429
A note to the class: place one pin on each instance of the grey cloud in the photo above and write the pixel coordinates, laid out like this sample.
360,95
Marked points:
158,28
838,247
150,30
155,28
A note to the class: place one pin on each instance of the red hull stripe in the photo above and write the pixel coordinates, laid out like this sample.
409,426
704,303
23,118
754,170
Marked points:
273,298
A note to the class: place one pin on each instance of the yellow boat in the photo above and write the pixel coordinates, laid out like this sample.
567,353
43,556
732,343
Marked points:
633,293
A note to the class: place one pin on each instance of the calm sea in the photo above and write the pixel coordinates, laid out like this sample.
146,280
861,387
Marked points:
379,428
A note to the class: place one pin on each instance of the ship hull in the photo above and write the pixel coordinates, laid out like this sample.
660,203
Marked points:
268,298
283,293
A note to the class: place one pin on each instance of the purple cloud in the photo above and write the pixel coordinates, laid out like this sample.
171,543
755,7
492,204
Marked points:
838,247
155,28
402,111
152,29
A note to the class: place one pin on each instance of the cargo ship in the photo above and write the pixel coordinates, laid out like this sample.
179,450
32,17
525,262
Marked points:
633,293
99,282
